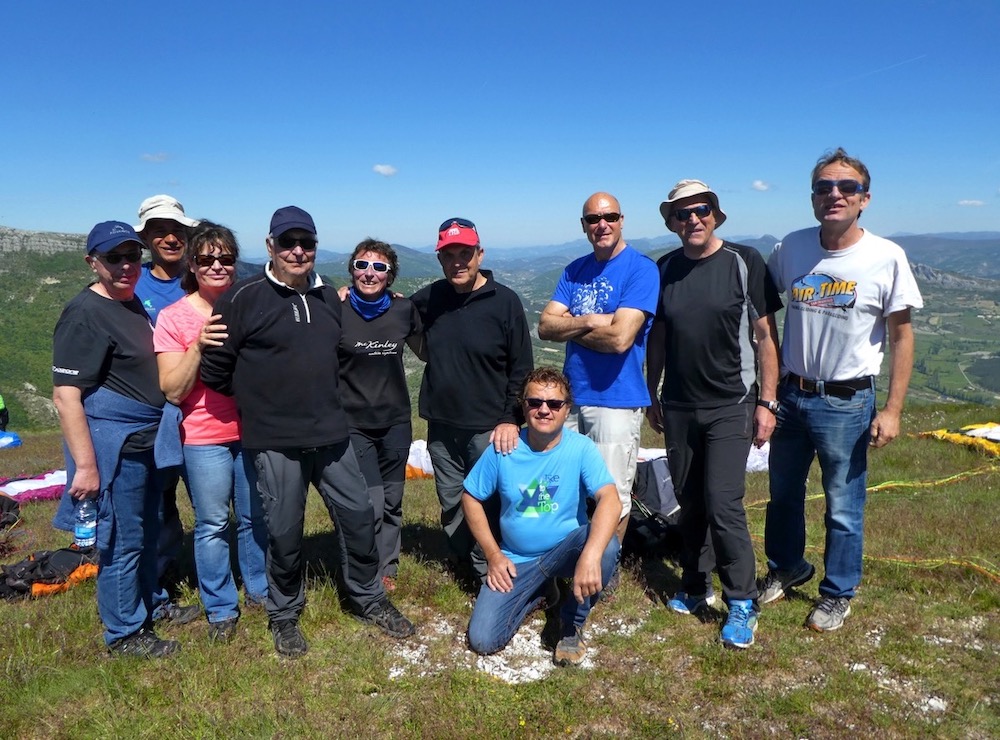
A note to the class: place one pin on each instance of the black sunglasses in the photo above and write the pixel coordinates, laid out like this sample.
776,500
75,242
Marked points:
463,222
207,260
286,243
596,218
362,265
846,187
114,259
683,214
553,403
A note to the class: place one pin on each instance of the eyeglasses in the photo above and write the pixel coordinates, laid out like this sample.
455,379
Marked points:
362,265
463,222
596,218
207,260
683,214
846,187
286,243
553,403
114,259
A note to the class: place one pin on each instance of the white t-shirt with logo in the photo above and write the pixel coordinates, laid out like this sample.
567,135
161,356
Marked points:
837,303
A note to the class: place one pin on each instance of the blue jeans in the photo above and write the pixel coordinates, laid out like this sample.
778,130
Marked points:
497,615
126,580
837,431
215,476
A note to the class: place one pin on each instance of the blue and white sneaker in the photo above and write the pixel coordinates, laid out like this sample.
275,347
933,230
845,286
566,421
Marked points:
739,629
684,604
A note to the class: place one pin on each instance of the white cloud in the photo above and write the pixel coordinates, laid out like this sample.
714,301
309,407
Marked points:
760,185
386,170
158,157
971,203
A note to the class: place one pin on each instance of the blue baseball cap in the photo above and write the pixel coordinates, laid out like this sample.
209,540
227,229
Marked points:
109,234
291,217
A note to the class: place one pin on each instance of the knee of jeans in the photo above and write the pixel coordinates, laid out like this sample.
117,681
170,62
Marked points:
481,640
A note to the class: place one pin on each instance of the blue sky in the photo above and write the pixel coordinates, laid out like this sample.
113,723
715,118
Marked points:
383,119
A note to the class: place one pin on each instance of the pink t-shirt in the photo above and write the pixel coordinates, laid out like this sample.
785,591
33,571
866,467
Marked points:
209,417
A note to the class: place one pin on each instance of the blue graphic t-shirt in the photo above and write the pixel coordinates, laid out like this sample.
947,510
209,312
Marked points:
156,294
543,495
629,280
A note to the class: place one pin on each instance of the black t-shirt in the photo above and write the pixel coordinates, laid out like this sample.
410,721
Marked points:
102,342
372,379
709,307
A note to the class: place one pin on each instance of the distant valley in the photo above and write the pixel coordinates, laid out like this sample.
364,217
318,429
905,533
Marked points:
958,351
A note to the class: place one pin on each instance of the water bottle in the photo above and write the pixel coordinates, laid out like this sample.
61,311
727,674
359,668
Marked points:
85,525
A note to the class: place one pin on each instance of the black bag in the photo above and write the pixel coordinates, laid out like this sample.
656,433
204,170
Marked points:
652,529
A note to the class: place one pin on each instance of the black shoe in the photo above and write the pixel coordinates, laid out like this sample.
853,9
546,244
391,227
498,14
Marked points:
288,639
222,631
176,614
388,618
144,644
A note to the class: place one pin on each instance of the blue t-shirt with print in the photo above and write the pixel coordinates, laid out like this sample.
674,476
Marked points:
156,294
628,280
543,495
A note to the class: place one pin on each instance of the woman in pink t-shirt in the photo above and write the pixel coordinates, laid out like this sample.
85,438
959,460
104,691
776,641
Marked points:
214,469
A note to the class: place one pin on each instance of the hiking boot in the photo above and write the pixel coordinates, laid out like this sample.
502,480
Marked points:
388,618
739,629
607,594
288,639
684,604
144,644
222,631
571,650
177,614
777,582
829,614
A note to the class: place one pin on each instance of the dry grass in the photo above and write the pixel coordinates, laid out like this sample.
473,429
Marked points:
920,654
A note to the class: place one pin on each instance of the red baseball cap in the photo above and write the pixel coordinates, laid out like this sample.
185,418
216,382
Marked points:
457,231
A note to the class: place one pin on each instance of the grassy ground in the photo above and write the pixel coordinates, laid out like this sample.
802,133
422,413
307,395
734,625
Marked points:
919,656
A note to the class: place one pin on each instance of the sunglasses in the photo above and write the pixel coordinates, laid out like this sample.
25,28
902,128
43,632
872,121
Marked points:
683,214
463,222
115,259
846,187
207,260
286,243
553,403
595,218
362,265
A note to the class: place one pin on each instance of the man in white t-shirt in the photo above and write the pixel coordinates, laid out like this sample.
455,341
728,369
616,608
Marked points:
848,291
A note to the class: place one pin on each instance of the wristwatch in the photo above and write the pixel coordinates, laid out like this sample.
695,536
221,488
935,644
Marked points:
771,406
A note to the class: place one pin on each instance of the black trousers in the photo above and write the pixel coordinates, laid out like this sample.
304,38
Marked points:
707,453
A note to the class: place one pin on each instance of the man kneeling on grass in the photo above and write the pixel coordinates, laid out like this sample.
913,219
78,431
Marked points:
543,486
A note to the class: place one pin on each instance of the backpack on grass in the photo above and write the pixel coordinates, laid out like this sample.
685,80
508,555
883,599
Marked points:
652,529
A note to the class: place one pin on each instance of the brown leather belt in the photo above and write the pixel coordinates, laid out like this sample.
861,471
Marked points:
838,388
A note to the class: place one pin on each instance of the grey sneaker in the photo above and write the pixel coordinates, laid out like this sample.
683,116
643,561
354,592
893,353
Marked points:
777,582
144,644
388,618
222,631
288,639
571,650
829,614
176,614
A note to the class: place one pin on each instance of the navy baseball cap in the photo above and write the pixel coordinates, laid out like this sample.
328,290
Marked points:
109,234
291,217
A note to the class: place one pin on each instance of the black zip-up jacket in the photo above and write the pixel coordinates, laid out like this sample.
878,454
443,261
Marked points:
478,354
280,362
